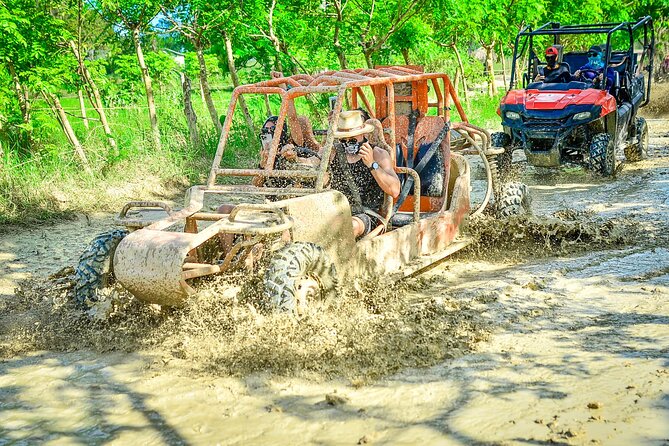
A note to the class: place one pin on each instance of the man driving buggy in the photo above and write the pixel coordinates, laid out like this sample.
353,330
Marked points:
361,172
554,72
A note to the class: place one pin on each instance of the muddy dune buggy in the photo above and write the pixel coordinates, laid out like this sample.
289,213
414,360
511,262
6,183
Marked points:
299,238
580,121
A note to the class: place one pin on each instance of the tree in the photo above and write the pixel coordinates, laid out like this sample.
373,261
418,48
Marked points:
135,17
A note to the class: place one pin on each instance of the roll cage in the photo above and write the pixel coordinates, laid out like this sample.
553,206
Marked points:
382,81
556,30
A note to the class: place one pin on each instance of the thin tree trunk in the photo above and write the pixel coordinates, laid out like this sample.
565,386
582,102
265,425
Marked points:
206,92
268,105
24,103
462,73
94,96
501,56
57,108
191,117
490,68
82,107
368,58
405,55
342,57
235,80
339,51
153,118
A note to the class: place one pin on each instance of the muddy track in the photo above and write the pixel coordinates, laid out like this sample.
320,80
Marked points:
557,333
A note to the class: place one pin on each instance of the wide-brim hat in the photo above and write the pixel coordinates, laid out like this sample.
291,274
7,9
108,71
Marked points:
351,123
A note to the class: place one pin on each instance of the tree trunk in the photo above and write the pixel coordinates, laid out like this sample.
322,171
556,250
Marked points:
405,55
235,80
501,56
343,64
153,118
462,73
57,108
191,117
368,57
490,68
82,107
206,92
94,96
24,103
268,106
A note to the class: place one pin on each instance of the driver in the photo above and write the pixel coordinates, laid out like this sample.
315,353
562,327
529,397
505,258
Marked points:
554,72
361,172
593,71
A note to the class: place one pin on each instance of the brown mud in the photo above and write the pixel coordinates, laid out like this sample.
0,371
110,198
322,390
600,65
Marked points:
551,328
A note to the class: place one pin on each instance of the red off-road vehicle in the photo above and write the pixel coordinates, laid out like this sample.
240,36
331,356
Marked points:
580,120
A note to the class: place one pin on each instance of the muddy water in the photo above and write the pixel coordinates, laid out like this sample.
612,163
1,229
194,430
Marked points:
571,346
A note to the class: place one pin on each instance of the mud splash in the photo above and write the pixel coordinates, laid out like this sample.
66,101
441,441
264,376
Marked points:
565,232
366,332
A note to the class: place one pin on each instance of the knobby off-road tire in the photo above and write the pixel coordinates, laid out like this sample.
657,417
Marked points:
95,269
514,200
504,160
602,157
639,150
295,266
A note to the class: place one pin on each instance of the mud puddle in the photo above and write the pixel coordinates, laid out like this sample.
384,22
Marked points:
555,332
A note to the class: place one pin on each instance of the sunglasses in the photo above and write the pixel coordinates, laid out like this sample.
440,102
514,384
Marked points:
592,54
348,141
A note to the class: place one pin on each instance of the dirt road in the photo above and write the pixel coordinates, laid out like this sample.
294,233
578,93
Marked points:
576,349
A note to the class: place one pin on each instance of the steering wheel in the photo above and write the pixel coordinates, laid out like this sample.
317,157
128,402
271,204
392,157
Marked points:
588,70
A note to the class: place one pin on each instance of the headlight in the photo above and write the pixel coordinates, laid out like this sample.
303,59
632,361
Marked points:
512,115
582,115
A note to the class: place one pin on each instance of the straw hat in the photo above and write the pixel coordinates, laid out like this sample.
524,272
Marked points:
351,123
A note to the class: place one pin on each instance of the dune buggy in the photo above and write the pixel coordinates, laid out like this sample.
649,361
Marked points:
580,121
300,234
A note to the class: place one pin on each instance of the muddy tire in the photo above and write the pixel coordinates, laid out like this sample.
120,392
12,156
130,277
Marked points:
297,274
515,199
95,270
503,141
639,150
602,157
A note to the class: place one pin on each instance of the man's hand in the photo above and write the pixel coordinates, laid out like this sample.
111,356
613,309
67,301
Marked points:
577,74
288,152
538,78
367,154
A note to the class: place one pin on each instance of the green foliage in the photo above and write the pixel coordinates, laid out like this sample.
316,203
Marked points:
296,36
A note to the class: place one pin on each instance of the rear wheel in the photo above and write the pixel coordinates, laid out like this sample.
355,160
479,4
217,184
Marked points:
95,270
602,155
515,199
639,149
298,274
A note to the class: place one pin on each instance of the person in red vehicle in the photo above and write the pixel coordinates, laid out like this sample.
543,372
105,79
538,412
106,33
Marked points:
554,72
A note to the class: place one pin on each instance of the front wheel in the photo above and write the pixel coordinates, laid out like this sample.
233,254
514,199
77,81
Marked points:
503,141
515,199
602,155
298,274
95,270
639,149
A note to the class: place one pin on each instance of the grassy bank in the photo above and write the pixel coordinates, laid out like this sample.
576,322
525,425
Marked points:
50,183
